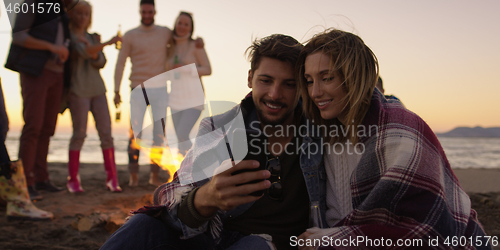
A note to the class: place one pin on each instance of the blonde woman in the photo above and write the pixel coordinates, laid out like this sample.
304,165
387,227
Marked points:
186,97
88,93
387,174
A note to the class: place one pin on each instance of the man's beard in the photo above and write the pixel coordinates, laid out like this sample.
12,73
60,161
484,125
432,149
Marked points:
145,24
279,121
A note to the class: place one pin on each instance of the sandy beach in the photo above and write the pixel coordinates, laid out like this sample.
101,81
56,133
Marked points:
59,233
481,184
479,180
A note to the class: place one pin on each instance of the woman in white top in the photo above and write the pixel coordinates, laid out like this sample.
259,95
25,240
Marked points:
188,64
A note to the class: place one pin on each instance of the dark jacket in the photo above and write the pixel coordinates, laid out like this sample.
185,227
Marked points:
44,27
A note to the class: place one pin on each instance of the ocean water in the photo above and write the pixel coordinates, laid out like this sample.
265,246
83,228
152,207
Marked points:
91,151
58,149
461,152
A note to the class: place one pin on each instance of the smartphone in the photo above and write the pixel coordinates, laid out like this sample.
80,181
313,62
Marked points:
252,151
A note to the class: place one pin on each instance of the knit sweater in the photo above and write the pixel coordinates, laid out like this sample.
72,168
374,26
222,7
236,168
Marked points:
340,162
147,48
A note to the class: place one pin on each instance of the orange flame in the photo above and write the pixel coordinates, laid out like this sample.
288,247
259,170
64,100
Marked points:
161,156
133,144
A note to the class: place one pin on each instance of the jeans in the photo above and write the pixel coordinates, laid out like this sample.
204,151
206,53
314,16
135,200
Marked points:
42,98
184,120
79,108
140,99
145,232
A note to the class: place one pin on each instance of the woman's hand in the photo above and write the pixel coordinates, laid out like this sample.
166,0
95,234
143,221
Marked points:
87,44
97,37
114,40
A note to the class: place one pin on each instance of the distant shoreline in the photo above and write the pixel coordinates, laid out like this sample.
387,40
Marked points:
479,137
468,132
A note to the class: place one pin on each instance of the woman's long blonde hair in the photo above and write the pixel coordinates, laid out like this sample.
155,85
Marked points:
72,11
171,42
358,67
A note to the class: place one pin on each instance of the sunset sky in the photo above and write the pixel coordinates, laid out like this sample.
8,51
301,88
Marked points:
441,58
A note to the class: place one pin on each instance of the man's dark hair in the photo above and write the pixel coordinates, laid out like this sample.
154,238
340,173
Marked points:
277,46
147,2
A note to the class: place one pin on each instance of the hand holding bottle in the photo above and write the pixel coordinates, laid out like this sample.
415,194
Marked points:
118,113
119,35
97,37
115,40
117,99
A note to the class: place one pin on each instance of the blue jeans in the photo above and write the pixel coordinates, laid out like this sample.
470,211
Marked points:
184,120
140,99
145,232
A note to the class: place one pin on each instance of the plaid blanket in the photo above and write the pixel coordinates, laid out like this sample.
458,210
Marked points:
403,189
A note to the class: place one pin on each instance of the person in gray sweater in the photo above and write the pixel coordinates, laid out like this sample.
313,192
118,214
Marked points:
146,46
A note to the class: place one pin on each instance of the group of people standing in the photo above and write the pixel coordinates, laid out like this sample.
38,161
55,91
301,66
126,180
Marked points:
151,48
59,61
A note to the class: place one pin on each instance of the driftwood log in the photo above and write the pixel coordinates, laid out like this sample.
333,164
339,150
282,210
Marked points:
85,223
111,222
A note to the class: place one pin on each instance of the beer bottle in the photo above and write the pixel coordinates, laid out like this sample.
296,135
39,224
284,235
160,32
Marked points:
118,114
119,43
315,215
58,60
177,74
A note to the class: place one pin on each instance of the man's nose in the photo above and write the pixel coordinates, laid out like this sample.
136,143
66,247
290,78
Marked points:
275,92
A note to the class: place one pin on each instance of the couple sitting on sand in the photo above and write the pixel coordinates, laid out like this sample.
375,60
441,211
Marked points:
364,167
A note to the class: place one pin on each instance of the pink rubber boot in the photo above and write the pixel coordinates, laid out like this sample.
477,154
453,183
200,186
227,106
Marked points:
73,184
110,167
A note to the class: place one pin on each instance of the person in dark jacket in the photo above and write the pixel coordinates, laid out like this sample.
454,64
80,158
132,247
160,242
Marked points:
39,52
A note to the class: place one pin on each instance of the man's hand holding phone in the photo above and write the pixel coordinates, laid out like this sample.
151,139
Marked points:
226,191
